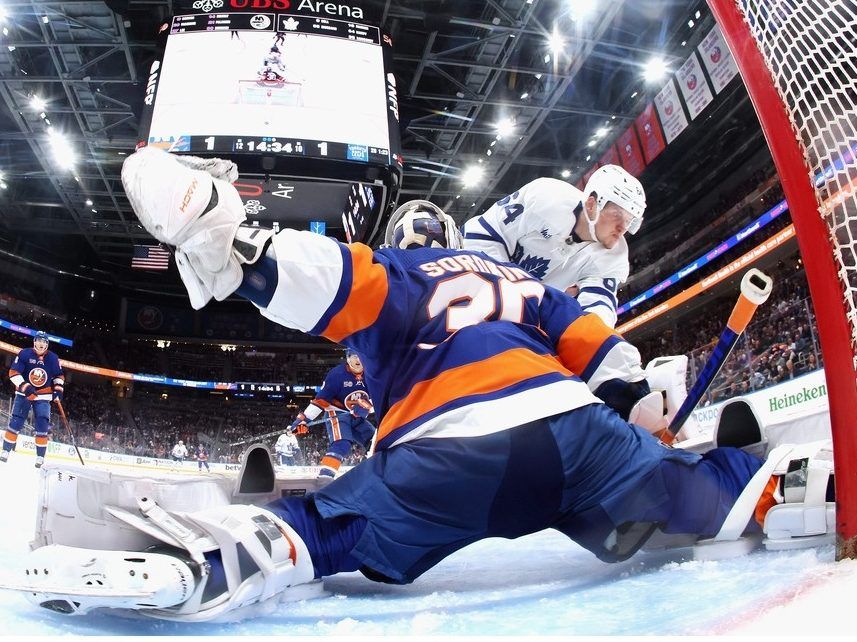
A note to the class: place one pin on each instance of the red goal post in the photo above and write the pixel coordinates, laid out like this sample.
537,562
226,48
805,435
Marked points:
799,64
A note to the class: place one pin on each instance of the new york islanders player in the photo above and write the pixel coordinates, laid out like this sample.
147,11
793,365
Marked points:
488,426
38,379
571,240
345,400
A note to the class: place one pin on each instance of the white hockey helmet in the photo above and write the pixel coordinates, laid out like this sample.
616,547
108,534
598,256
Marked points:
419,223
611,183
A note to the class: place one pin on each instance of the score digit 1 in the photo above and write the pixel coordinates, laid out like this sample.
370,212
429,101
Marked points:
322,149
209,143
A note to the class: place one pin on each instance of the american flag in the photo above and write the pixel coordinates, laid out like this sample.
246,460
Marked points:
150,257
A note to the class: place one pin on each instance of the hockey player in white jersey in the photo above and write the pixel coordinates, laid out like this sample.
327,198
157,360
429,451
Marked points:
571,240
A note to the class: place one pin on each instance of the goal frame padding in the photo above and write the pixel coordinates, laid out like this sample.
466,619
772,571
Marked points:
816,246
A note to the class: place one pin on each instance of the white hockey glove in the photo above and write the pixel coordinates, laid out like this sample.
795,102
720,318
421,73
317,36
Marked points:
264,562
196,212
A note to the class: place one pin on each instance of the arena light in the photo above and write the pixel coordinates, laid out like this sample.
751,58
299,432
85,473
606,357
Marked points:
472,176
63,153
505,127
601,132
655,70
582,9
565,173
38,104
556,43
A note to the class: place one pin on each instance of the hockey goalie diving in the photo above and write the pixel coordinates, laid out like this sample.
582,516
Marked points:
511,495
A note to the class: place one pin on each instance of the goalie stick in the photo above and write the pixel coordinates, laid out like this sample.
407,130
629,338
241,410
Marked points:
755,290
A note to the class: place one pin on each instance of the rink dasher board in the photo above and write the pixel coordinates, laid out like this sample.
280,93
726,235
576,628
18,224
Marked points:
61,452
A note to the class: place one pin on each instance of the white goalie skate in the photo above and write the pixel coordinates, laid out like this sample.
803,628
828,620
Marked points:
100,534
218,564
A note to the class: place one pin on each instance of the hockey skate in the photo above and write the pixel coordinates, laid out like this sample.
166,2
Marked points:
4,455
39,462
218,564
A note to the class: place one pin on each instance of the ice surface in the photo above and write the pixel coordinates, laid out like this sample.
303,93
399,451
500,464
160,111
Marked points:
538,585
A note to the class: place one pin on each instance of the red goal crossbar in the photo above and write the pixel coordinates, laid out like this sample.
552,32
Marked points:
766,37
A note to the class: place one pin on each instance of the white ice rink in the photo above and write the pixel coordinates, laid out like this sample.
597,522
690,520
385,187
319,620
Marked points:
538,585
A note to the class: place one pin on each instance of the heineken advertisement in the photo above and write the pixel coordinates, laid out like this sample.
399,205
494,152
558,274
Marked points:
801,397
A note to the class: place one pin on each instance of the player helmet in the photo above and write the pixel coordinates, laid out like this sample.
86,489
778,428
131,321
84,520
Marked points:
611,183
40,342
419,223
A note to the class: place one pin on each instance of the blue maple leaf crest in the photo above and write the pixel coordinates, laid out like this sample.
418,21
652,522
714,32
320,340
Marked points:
535,265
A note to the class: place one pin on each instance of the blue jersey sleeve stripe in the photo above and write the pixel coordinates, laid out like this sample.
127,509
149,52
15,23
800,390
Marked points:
482,237
341,294
492,232
595,304
599,292
599,355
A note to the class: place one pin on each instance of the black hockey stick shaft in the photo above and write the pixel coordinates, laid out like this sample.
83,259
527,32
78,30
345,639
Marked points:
755,290
314,422
70,433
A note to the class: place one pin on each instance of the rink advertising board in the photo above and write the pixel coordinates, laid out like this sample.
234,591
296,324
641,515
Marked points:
301,95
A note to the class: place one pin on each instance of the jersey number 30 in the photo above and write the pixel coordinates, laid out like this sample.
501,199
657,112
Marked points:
468,299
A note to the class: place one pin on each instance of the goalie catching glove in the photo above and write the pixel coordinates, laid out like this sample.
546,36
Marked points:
189,203
219,564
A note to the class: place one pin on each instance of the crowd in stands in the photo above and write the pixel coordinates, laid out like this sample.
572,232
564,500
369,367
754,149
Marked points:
779,344
670,249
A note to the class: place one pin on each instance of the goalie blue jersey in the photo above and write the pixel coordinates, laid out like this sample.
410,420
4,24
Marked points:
454,344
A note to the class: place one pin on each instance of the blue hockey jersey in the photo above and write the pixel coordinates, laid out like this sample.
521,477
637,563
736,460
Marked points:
342,389
42,372
420,321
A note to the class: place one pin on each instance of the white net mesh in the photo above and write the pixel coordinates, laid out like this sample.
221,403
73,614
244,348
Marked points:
810,48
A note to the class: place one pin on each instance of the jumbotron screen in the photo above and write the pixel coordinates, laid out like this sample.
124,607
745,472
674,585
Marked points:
272,83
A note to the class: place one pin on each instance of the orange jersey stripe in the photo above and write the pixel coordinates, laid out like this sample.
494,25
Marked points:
480,377
366,298
581,340
331,462
41,440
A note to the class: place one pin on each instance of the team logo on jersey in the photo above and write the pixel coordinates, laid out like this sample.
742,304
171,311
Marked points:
38,377
358,398
535,265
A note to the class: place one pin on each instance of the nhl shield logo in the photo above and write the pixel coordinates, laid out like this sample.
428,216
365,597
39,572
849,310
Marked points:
38,377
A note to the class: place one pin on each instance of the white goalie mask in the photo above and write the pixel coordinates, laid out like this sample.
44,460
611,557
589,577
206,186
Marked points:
612,184
418,224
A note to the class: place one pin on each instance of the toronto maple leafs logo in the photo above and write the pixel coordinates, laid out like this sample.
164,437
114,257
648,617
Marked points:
207,5
291,24
254,207
535,265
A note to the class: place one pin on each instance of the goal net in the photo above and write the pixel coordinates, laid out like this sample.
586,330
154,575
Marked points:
798,59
